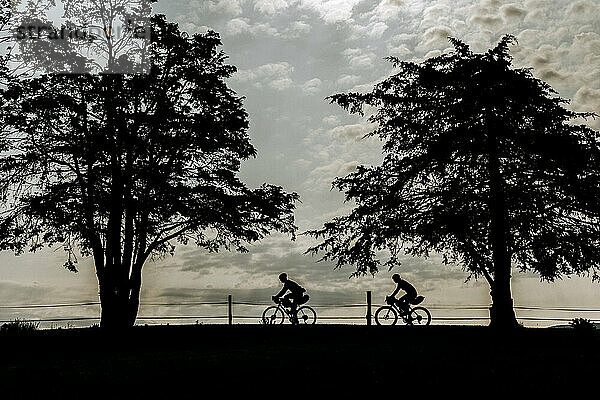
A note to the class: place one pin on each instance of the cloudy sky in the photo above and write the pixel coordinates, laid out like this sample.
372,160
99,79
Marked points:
290,55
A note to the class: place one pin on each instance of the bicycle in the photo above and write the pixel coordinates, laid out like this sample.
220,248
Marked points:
388,315
305,315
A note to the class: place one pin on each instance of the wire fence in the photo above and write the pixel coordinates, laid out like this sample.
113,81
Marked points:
230,311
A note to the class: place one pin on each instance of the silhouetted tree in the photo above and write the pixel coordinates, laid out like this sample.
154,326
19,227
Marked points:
16,18
120,167
483,164
118,30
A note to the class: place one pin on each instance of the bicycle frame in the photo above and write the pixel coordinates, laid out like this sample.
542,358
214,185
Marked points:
303,314
415,313
402,314
286,311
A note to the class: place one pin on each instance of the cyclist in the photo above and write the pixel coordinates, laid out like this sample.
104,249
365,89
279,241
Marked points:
404,301
296,296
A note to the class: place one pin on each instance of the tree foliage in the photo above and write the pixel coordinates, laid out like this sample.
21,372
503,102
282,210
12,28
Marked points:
479,158
123,167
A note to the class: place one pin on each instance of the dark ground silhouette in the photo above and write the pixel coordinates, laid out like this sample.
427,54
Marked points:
174,361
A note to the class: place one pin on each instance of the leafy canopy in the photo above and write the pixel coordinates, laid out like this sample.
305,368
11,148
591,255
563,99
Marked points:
443,122
127,165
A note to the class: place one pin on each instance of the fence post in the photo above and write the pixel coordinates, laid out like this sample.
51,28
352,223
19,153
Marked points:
230,309
368,308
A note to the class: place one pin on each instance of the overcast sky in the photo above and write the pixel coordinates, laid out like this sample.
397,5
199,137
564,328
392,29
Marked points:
290,55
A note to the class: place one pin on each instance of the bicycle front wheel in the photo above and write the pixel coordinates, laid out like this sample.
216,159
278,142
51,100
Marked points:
273,315
419,316
306,315
386,315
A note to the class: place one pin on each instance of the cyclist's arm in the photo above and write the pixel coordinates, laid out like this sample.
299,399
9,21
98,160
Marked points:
395,291
281,292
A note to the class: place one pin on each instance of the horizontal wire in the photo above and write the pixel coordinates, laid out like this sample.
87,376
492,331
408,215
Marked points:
49,305
433,307
266,304
224,317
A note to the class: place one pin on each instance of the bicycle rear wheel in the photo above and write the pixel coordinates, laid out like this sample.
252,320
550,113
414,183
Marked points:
306,315
273,315
386,315
419,316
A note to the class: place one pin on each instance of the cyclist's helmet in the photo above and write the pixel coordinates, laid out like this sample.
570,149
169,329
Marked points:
396,277
283,277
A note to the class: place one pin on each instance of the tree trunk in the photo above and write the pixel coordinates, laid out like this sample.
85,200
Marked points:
135,283
114,300
114,287
502,313
112,314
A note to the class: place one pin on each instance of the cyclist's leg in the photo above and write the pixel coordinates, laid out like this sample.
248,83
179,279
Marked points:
403,303
297,300
289,302
286,300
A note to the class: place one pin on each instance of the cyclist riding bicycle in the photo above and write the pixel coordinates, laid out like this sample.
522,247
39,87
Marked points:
294,298
404,301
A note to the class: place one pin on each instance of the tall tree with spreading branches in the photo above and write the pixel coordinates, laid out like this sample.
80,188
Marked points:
482,164
122,167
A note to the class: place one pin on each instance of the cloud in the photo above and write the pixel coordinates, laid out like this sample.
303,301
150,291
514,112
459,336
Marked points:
231,7
270,7
312,86
358,59
238,26
529,37
274,75
331,120
386,10
377,29
436,15
322,176
296,30
351,132
281,83
241,26
399,51
585,9
435,38
588,42
301,163
331,11
255,270
510,11
588,100
549,74
386,13
338,150
348,80
588,96
489,21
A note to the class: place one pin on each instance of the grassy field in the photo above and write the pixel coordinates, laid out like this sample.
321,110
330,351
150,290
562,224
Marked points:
343,359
